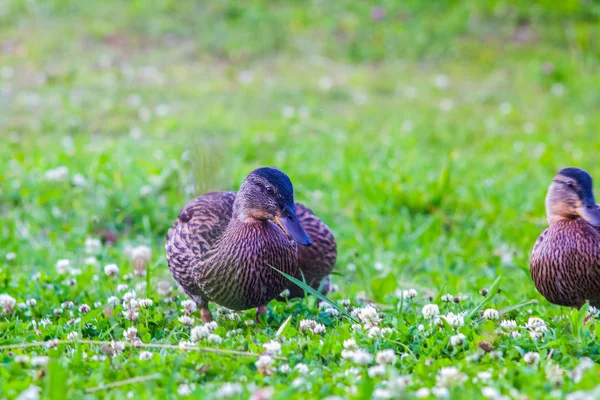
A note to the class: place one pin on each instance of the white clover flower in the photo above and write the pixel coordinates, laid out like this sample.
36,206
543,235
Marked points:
73,335
130,334
164,288
141,256
272,348
39,361
537,324
490,393
347,354
362,357
7,303
508,324
447,298
380,393
531,358
84,309
457,340
285,294
515,334
145,355
375,332
312,326
216,339
421,327
58,174
430,311
10,256
440,392
450,376
189,306
387,356
422,393
490,313
145,303
132,314
455,320
90,261
62,266
409,294
111,270
264,365
131,295
229,390
376,371
345,302
93,246
198,332
184,389
284,368
122,287
113,301
332,311
369,316
301,368
554,374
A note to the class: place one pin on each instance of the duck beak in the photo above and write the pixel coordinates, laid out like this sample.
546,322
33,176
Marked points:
590,212
290,224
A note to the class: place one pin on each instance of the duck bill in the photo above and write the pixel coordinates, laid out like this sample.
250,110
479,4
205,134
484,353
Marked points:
590,212
288,221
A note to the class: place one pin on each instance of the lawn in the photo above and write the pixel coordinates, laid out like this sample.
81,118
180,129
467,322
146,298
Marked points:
425,134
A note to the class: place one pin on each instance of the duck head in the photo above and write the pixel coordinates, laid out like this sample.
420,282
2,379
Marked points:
570,196
268,194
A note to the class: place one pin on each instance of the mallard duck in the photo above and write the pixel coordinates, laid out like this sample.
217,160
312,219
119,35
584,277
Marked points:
223,245
565,264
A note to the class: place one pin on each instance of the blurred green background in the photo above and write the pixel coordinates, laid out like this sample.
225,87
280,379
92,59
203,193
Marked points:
425,133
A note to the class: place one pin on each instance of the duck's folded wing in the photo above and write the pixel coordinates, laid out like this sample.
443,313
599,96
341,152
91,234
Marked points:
196,231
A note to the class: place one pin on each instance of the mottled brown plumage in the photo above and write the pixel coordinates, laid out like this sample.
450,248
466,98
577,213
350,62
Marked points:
222,246
565,263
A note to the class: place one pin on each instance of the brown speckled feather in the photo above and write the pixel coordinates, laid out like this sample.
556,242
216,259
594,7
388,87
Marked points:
565,263
230,264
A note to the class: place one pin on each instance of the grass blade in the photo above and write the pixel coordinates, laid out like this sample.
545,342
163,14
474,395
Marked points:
492,292
314,292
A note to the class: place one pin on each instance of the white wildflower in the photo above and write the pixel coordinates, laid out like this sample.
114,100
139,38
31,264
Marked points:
216,339
145,303
508,324
369,316
113,301
62,266
455,320
145,355
264,365
381,393
491,313
362,357
447,298
457,340
111,270
312,326
490,393
10,256
301,368
189,306
7,303
93,246
440,392
84,309
164,288
31,393
198,332
272,348
450,376
376,371
284,368
430,311
57,174
285,294
141,256
229,390
130,334
122,287
409,294
387,356
184,389
537,324
39,361
531,358
422,393
350,344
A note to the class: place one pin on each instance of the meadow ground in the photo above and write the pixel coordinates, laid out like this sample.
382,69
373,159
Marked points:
424,133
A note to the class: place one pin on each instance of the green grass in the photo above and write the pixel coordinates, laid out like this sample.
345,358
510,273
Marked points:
426,140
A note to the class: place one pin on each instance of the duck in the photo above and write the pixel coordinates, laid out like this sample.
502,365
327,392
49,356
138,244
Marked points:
565,262
224,246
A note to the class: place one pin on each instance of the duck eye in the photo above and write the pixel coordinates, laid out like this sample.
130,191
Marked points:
269,190
570,183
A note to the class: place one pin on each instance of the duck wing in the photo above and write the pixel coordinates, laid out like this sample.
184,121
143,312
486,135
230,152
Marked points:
196,231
